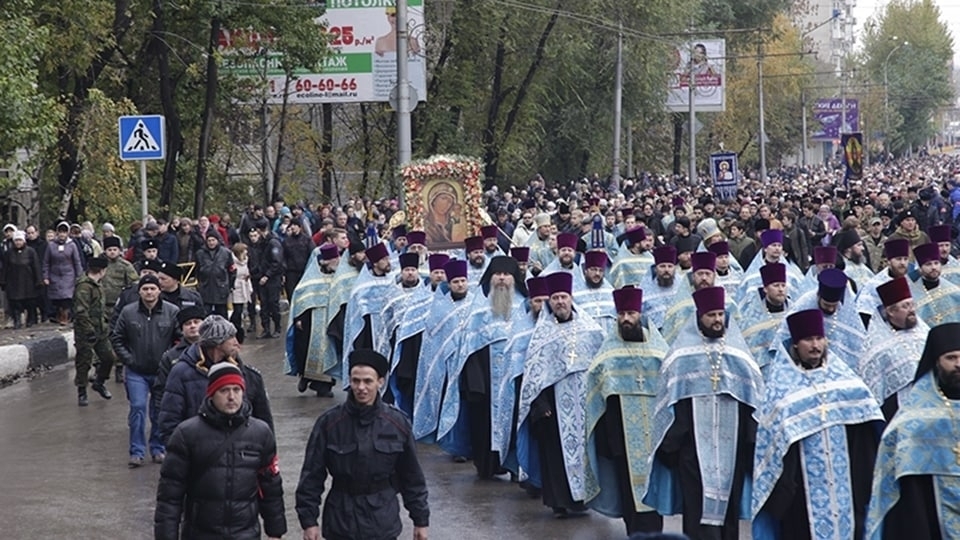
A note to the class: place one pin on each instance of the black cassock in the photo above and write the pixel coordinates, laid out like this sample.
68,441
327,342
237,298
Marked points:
788,502
612,445
915,514
544,427
679,452
475,394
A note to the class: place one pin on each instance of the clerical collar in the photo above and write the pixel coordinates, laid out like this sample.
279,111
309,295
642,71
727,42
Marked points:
566,267
928,285
775,309
570,318
723,272
944,261
949,394
327,270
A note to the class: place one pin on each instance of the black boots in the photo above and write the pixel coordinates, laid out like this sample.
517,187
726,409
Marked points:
118,373
82,396
99,388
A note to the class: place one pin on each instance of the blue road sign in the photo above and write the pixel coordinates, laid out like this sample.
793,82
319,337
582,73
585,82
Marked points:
141,137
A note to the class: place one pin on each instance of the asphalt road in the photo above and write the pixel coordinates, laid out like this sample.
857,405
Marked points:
64,469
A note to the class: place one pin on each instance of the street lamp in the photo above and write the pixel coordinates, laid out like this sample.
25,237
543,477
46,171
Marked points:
886,98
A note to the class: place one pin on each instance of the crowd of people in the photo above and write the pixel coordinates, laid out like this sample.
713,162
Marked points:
638,349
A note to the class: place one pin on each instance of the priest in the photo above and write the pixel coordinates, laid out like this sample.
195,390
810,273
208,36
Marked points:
621,395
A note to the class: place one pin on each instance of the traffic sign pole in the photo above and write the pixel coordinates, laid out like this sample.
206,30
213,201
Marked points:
143,189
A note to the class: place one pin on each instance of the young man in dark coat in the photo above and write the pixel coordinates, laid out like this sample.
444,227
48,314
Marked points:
297,247
369,450
215,272
184,390
222,474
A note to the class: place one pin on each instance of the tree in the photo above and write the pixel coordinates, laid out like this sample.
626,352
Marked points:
918,73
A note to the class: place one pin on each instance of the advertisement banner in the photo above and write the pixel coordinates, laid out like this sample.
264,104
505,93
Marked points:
723,169
361,68
852,144
708,66
828,123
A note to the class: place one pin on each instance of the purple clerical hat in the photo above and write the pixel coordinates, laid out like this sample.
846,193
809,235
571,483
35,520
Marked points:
773,273
520,253
473,243
558,282
567,240
636,235
825,255
455,268
410,259
329,252
417,237
896,247
719,248
703,260
537,287
771,236
488,231
708,299
805,324
628,299
376,252
437,260
939,233
894,291
832,285
665,254
925,253
595,259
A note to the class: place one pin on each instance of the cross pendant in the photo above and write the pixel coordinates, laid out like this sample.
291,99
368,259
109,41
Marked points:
938,317
823,413
956,450
715,378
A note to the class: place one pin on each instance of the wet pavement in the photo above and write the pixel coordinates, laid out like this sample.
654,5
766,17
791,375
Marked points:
64,469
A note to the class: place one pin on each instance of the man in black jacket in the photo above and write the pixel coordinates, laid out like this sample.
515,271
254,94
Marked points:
144,330
216,273
222,473
297,247
189,320
268,275
187,382
169,274
368,448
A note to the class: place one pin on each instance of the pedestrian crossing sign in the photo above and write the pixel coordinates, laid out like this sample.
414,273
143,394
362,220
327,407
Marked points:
141,137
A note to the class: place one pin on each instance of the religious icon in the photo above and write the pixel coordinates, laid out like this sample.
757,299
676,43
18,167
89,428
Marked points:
443,219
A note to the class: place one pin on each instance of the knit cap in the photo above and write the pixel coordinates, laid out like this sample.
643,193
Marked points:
214,330
223,374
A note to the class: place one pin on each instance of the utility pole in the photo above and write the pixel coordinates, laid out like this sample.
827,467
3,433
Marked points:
761,137
691,96
803,108
629,150
403,87
617,112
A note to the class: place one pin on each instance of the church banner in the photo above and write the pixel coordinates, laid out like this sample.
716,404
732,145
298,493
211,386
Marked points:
852,144
723,169
443,196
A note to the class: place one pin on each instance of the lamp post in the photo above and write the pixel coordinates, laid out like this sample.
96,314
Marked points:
886,98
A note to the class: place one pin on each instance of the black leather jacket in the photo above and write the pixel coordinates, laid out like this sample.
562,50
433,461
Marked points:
141,336
370,452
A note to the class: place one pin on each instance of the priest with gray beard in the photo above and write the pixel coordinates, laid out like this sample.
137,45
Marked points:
480,365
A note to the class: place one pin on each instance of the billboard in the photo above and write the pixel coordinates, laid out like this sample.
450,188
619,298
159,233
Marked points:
362,66
828,122
708,66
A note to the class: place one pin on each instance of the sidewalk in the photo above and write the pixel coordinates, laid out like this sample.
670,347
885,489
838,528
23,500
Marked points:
29,349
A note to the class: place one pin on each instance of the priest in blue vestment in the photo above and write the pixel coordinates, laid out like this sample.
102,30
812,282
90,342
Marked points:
897,253
566,261
621,395
763,311
824,257
729,273
309,350
942,236
894,340
448,312
660,285
476,259
435,262
937,299
816,441
703,426
702,274
551,428
772,251
477,368
366,325
596,297
405,315
344,279
633,260
843,324
491,245
916,481
542,249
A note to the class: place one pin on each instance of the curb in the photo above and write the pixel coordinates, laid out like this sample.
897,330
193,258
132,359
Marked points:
17,360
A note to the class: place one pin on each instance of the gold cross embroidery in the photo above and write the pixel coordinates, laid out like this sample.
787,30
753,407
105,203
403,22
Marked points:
938,318
641,380
823,416
956,450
